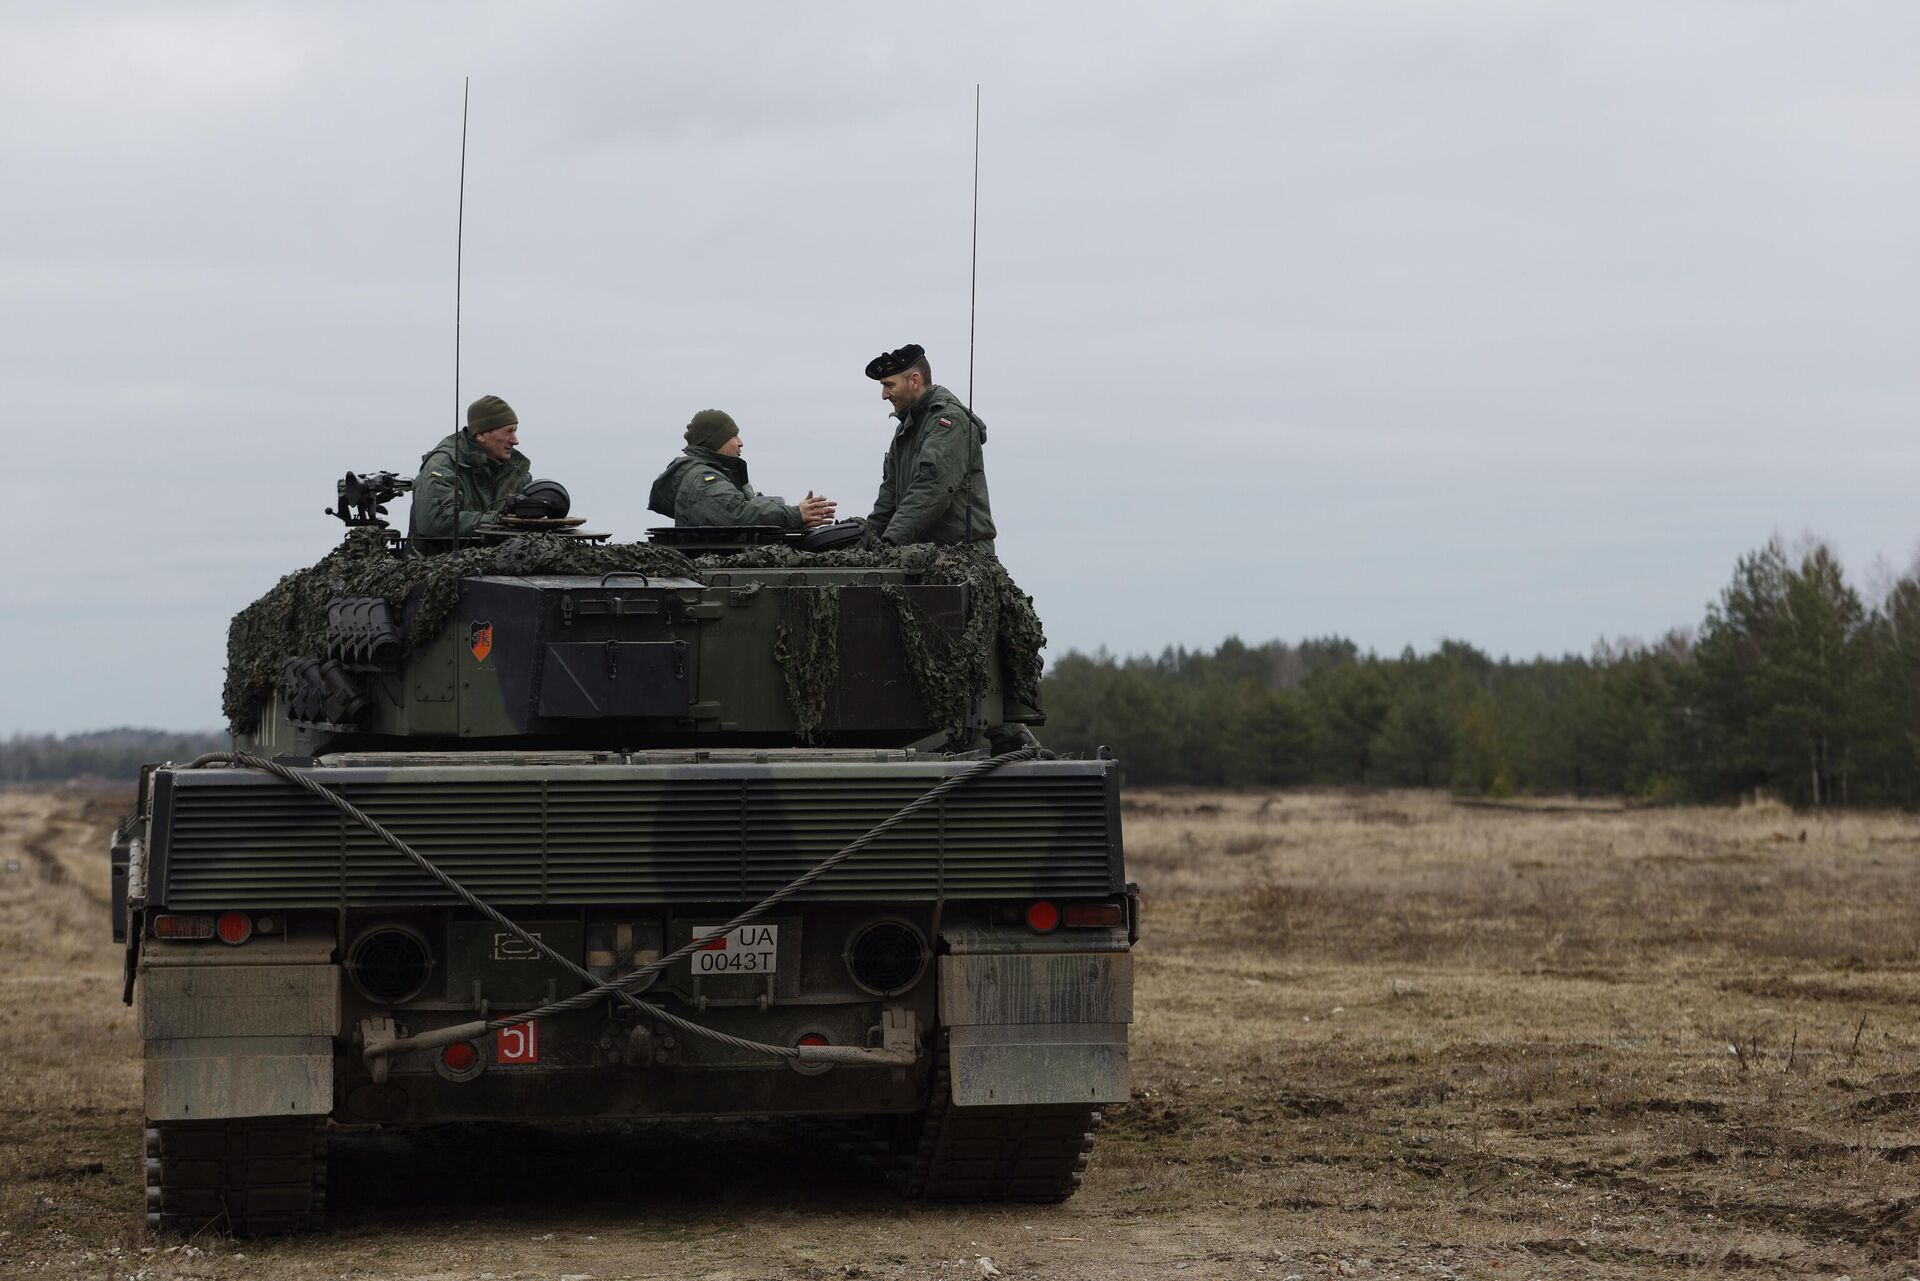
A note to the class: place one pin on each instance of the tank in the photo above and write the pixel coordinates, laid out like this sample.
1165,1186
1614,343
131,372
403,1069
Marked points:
723,823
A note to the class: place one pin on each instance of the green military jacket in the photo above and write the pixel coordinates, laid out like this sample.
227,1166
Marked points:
933,486
703,487
485,487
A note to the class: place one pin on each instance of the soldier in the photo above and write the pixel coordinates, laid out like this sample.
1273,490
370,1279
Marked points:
933,485
707,484
482,460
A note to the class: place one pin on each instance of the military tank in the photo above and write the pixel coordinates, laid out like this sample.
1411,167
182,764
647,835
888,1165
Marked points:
723,823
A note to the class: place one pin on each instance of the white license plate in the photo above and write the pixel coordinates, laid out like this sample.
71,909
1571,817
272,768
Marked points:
751,949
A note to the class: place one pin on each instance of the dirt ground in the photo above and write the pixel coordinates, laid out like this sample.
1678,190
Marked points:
1379,1035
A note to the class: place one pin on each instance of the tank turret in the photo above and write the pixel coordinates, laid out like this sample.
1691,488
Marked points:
551,638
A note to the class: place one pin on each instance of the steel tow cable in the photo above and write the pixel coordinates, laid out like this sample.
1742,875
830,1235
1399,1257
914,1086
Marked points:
621,987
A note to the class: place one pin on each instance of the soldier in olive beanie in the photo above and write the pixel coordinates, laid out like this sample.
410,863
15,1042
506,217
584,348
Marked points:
711,428
466,480
707,485
488,413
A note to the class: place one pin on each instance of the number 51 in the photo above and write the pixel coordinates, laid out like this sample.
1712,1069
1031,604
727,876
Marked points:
518,1044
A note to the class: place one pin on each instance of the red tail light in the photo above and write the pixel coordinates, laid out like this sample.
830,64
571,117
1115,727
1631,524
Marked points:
1092,915
810,1039
234,927
169,926
1042,917
459,1056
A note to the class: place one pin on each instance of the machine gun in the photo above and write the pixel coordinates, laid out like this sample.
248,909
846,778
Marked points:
363,499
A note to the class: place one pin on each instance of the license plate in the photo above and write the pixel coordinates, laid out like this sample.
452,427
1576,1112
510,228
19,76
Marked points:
751,949
517,1044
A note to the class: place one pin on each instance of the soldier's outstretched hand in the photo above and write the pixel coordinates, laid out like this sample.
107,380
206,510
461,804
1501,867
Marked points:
815,510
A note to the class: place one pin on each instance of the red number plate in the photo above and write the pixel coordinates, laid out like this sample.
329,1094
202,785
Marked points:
517,1044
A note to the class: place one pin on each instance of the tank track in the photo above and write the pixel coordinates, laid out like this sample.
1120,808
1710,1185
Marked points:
251,1178
998,1154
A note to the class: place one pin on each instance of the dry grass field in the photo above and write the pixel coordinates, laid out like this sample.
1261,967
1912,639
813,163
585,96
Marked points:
1378,1035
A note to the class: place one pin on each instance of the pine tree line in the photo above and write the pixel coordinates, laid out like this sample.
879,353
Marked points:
1792,684
114,754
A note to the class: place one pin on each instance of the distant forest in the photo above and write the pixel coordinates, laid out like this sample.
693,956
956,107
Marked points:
114,754
1792,683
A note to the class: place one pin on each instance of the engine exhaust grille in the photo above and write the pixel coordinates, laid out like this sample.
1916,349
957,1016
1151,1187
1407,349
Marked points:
630,834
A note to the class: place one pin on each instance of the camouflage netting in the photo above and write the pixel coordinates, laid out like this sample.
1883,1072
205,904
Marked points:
807,648
291,619
951,672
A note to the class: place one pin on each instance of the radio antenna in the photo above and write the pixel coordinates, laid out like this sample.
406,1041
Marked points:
459,250
973,280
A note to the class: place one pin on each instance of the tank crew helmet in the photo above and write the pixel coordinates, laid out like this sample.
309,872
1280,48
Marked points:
711,428
488,413
889,363
540,498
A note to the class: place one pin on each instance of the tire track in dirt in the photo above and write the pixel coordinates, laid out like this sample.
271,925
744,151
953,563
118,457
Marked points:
38,848
1885,1231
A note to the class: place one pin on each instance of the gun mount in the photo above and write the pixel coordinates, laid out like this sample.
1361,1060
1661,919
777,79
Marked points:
363,498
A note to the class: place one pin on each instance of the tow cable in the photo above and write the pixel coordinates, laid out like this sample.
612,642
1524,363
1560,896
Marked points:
899,1047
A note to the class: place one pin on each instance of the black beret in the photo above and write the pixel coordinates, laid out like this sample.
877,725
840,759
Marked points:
887,364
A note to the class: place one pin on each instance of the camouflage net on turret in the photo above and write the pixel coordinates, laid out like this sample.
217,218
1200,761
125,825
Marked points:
806,647
951,672
291,619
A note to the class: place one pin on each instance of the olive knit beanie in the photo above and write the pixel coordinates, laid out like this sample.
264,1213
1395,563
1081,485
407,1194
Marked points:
711,428
488,413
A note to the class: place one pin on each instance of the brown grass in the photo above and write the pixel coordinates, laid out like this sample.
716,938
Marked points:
1378,1034
1519,1024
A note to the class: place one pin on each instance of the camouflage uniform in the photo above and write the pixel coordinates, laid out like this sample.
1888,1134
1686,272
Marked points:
485,487
703,487
933,486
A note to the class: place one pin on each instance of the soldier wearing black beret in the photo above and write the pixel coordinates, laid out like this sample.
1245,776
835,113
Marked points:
933,484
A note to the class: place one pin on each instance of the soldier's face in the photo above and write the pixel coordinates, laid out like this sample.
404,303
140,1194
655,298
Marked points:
901,390
499,443
732,447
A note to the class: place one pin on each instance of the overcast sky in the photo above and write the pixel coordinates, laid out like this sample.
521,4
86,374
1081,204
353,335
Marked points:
1509,322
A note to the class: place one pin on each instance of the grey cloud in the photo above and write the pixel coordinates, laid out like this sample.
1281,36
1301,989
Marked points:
1503,321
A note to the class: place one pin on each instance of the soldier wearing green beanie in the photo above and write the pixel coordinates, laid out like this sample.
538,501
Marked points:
707,484
482,460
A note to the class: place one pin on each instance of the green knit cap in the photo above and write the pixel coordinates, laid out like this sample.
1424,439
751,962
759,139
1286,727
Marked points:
487,413
711,428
